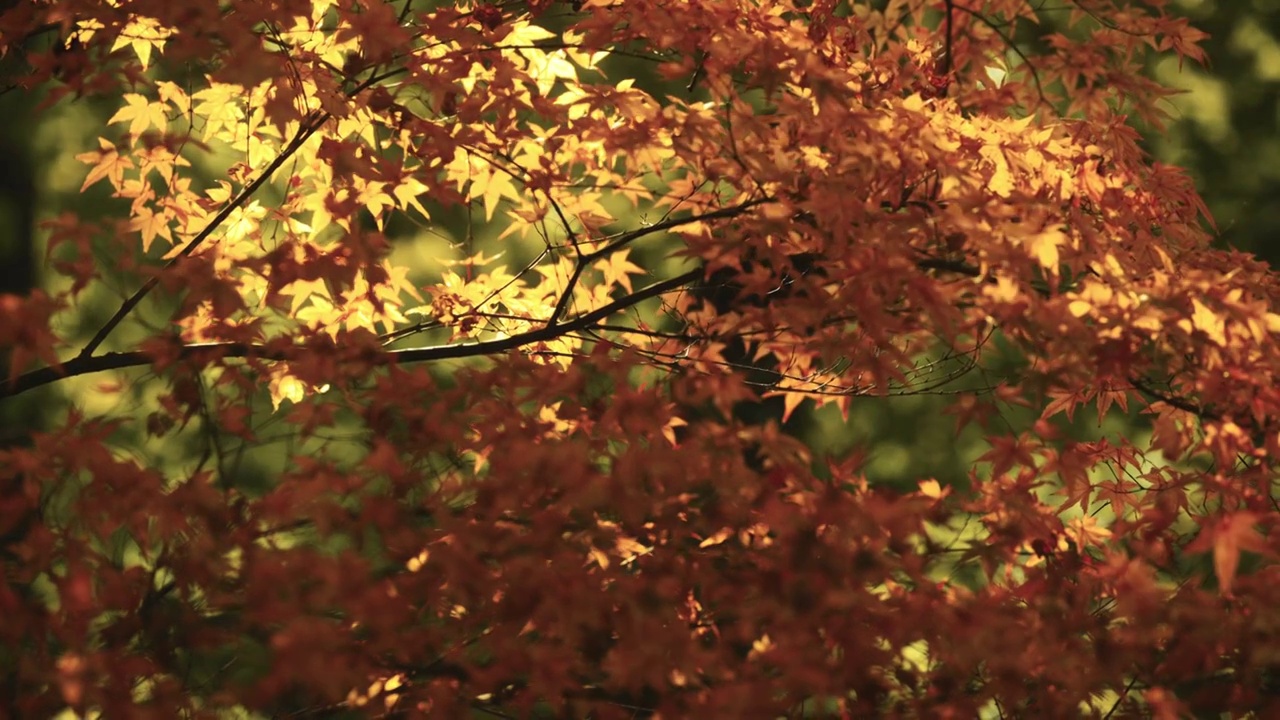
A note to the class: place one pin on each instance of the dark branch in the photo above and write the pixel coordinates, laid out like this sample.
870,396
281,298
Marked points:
86,364
562,305
631,236
1174,401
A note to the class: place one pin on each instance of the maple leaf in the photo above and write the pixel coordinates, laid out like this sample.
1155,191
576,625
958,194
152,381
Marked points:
142,35
1044,247
617,269
1001,181
791,400
407,192
107,163
150,225
1208,322
141,114
1227,537
174,95
933,489
492,189
286,387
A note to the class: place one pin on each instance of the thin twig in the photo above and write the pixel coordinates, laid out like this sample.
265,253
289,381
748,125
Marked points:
566,296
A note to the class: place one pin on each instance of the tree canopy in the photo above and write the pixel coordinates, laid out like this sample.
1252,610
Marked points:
412,362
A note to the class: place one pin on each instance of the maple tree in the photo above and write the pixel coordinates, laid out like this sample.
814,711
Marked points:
512,478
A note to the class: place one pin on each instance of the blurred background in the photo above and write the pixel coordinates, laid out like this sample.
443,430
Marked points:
1224,131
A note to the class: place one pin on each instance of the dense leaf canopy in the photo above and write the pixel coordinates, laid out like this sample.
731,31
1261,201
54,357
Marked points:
410,371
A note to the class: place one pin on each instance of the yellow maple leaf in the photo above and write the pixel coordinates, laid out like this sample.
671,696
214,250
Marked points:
107,163
1004,290
669,430
374,197
548,67
244,221
524,33
160,159
600,557
320,314
716,538
407,193
618,269
630,548
151,224
492,190
141,113
170,92
1044,247
791,400
1001,182
933,489
285,387
142,35
1208,322
219,105
914,103
301,290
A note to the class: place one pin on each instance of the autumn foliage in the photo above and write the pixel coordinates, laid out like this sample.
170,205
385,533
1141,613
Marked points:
404,374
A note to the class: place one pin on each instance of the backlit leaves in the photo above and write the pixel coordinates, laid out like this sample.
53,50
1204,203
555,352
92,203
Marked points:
1208,322
462,319
107,163
141,113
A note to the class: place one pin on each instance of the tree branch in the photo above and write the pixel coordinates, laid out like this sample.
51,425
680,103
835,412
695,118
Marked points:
1173,401
87,364
562,305
585,259
633,235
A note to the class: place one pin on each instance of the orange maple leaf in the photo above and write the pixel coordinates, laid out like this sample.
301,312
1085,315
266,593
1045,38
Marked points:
1228,537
